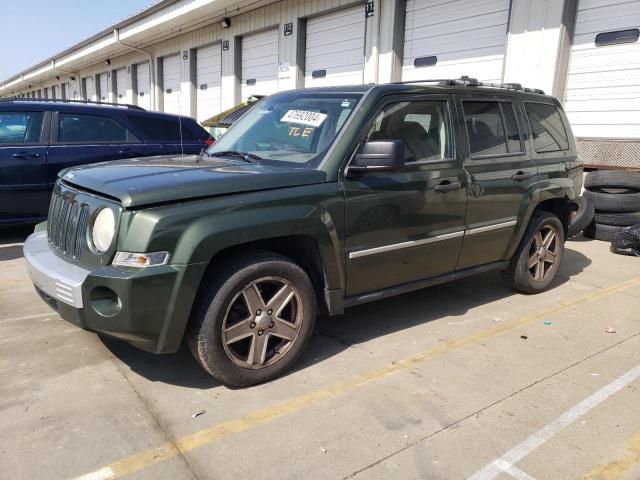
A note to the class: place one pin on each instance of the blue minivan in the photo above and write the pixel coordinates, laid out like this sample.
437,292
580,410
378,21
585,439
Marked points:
38,138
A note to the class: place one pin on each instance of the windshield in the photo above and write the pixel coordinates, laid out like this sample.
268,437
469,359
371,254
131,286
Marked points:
294,127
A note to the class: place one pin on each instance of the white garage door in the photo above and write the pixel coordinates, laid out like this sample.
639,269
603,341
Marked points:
454,38
143,86
208,78
121,86
90,88
171,84
603,85
260,64
103,88
334,52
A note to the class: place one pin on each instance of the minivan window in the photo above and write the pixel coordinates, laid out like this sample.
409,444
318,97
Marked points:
423,127
74,128
20,127
549,134
492,128
159,129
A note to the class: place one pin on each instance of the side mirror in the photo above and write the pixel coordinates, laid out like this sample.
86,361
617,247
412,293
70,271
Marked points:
378,156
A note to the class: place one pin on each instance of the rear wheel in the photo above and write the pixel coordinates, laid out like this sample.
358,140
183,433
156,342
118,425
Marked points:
254,320
537,260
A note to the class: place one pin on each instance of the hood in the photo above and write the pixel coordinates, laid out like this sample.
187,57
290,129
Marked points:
145,181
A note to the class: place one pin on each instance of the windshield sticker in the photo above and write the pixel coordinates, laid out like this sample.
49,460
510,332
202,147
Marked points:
300,132
304,117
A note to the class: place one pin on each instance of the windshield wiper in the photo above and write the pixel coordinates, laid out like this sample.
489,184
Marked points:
246,156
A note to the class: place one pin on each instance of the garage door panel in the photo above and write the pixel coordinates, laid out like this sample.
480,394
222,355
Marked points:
335,44
456,42
104,89
121,85
603,83
260,63
604,104
143,86
432,14
171,84
613,130
208,81
466,37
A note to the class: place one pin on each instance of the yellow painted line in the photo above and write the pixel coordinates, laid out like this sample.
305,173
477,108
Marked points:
619,467
220,431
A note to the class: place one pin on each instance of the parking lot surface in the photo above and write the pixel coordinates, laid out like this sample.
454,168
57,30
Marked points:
464,380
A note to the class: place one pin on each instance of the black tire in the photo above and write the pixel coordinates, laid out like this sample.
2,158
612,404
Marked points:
609,202
582,213
602,231
612,179
217,301
614,191
518,275
624,219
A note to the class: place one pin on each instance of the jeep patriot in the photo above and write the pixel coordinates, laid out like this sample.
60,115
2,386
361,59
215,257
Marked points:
315,201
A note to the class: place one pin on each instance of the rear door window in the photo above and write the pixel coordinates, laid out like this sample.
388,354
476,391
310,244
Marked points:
20,127
73,128
492,128
547,128
162,129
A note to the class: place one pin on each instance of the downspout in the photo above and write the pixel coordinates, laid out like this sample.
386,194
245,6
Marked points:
78,79
152,67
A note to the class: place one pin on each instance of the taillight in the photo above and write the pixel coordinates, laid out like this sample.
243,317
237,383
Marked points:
210,141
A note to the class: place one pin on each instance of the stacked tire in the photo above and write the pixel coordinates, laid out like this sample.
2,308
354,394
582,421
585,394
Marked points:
615,195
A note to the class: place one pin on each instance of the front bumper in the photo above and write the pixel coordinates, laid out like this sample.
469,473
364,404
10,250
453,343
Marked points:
148,308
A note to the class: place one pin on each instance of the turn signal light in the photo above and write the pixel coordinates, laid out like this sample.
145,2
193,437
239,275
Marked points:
140,260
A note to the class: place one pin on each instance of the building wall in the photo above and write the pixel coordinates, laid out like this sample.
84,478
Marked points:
538,46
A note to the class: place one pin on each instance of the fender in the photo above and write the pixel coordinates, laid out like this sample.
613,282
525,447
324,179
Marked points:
195,232
538,192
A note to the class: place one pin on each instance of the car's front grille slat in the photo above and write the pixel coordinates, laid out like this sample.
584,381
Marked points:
67,224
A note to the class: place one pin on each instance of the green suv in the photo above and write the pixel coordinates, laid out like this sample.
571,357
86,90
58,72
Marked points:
316,200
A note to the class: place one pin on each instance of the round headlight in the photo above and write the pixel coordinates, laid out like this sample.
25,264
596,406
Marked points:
103,230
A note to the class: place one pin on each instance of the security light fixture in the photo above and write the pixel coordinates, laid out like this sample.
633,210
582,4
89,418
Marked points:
226,22
107,62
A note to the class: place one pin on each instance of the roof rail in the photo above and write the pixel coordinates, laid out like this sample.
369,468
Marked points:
60,100
473,82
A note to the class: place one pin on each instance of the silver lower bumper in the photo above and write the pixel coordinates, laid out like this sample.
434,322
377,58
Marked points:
53,275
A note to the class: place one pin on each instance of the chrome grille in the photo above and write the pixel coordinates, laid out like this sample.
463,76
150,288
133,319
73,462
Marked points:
67,224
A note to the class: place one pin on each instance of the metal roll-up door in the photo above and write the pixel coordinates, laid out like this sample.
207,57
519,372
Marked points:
121,85
143,86
454,38
259,64
334,53
90,89
208,81
602,98
171,84
103,87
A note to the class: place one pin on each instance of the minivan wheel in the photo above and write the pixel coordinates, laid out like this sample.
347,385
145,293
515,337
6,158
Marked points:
254,320
537,260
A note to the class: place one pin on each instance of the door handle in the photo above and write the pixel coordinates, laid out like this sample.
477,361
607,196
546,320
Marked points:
520,176
447,186
25,155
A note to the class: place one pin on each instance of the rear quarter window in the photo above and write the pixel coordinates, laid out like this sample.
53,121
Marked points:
162,129
547,129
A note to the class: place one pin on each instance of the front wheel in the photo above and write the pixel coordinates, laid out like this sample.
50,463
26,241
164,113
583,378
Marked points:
254,320
537,260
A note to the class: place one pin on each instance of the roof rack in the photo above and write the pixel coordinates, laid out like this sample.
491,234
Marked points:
60,100
473,82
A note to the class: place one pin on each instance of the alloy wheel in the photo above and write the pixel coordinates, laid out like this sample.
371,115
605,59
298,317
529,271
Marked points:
262,322
543,253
